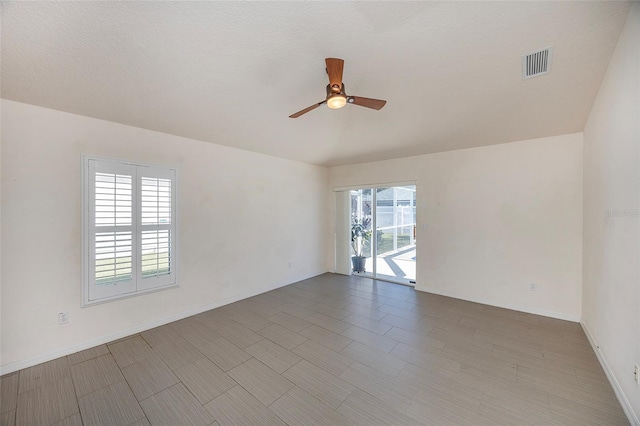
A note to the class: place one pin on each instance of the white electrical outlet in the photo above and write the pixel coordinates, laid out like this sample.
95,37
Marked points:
63,318
533,286
636,375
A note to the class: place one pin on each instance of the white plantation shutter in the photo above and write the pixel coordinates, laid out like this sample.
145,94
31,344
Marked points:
129,217
110,230
156,227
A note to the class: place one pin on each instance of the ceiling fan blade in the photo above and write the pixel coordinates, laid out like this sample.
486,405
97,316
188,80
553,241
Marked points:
367,102
306,110
334,69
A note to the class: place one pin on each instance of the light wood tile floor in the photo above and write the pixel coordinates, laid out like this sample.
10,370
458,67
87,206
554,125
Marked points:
328,350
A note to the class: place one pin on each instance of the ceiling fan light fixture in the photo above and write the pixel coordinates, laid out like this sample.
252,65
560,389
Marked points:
336,101
336,93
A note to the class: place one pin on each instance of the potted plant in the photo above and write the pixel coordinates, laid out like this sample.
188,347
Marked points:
359,236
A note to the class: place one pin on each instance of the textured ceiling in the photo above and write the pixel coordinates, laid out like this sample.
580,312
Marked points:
232,72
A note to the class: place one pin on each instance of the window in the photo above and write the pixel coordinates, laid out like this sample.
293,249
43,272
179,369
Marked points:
129,229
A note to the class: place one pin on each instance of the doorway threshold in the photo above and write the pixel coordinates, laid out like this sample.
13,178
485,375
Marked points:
406,283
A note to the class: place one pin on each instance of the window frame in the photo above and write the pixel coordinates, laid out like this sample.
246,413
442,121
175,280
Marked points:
139,284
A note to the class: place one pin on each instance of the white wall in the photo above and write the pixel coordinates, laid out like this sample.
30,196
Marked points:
241,216
611,298
0,232
492,220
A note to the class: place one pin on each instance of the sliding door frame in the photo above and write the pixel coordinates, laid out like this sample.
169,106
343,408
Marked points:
374,223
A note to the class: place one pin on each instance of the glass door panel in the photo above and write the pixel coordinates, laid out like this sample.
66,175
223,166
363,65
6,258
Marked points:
395,248
361,231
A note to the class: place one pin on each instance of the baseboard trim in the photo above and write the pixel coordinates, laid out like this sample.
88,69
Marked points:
529,310
622,398
30,362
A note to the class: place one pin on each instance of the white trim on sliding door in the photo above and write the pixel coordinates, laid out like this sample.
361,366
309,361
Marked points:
375,185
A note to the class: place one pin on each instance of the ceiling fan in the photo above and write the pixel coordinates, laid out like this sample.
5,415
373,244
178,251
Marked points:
336,95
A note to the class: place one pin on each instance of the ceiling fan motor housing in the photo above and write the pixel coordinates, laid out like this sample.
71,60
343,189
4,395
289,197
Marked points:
335,90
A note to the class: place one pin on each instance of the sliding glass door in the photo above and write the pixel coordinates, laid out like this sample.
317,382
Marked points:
383,233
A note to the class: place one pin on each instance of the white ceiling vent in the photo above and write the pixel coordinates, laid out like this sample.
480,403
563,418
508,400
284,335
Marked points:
536,63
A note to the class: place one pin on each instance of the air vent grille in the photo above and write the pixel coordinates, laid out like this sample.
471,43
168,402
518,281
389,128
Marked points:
536,63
